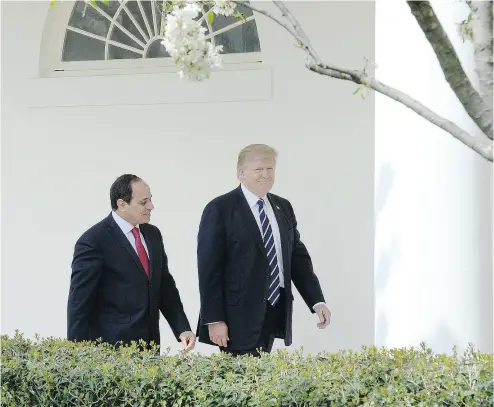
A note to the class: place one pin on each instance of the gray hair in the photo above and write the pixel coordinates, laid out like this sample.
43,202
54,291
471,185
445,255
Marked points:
255,150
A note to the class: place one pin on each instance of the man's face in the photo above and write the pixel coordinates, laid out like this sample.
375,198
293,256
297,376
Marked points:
139,209
257,174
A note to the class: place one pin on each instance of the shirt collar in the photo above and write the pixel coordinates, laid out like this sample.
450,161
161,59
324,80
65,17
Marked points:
122,223
252,198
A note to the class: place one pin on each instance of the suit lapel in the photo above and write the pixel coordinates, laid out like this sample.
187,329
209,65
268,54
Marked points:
124,242
250,221
283,228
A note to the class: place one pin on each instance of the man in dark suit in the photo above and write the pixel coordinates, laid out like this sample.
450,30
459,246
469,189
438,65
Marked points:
249,252
120,279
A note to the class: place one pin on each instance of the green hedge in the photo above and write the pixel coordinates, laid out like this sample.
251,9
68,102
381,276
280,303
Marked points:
54,372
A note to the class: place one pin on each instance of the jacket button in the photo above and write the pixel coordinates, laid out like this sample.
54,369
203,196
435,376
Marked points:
264,300
150,286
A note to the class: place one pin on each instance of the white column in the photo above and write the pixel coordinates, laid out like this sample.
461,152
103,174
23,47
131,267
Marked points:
433,247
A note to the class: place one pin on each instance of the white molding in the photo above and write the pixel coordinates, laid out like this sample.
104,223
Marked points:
150,89
151,65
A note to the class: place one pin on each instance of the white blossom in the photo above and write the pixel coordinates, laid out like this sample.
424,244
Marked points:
224,7
185,41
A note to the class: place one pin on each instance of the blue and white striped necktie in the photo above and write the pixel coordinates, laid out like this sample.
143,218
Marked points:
268,239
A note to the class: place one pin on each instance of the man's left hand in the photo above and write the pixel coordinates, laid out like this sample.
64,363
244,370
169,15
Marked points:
324,315
188,341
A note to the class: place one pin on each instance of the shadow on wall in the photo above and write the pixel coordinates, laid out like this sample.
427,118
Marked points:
385,184
386,256
384,269
443,340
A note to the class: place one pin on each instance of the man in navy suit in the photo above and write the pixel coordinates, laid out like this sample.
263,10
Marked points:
120,279
249,252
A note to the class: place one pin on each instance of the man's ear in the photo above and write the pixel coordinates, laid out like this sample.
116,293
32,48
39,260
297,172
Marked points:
121,204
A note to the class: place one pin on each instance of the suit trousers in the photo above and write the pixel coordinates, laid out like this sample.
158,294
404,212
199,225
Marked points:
273,327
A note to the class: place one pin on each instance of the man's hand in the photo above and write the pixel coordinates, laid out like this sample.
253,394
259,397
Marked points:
218,333
324,315
188,341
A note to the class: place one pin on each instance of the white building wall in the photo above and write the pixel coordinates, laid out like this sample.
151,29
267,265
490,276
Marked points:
433,249
65,140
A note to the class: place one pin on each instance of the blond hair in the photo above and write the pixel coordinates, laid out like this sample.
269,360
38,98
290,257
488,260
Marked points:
255,150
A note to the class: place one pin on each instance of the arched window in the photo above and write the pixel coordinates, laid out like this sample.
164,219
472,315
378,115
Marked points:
122,39
124,30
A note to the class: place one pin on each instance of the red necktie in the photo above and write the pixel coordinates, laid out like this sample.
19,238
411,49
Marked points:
141,251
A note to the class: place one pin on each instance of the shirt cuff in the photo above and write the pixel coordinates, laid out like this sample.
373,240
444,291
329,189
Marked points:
211,323
315,305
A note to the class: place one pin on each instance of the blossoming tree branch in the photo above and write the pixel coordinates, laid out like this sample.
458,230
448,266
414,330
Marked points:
196,57
185,40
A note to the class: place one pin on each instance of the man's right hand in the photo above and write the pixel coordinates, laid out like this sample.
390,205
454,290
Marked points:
218,333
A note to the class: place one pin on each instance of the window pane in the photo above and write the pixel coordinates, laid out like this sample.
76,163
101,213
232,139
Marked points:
78,47
121,37
239,39
146,5
136,13
158,9
109,9
121,53
88,19
157,50
222,21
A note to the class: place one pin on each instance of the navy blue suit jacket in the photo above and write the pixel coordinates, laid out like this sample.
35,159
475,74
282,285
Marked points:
110,294
234,271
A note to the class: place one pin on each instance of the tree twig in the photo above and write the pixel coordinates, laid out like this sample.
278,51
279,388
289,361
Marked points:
297,33
297,27
292,32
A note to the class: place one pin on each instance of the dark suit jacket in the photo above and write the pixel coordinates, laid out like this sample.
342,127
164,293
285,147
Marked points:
110,294
234,271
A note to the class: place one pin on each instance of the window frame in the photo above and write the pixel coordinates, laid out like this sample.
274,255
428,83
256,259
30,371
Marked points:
52,45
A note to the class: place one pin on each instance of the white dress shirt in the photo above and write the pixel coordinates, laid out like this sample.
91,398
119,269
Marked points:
126,228
252,200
